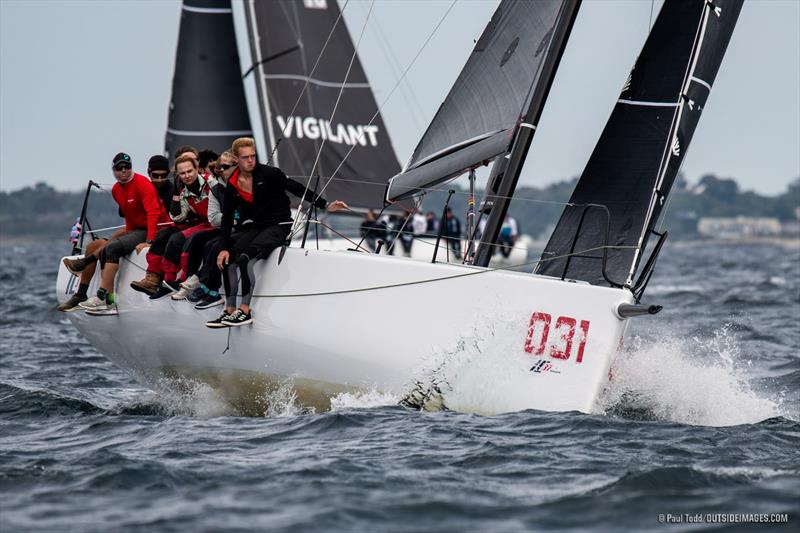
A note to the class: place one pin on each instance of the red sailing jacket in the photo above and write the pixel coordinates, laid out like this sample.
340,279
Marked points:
191,203
139,204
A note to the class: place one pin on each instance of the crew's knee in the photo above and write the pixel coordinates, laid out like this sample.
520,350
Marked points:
94,247
174,247
113,252
243,259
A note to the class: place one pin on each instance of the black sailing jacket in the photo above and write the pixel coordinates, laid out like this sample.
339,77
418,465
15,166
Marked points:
270,205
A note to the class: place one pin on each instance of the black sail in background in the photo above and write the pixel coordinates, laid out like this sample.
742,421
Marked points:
477,120
284,41
208,108
643,143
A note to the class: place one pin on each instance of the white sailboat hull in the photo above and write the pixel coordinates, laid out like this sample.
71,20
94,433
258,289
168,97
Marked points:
333,321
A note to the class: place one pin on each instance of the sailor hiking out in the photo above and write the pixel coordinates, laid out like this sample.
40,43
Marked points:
189,211
139,204
258,193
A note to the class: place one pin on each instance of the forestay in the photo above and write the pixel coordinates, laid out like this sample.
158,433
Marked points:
477,120
207,109
294,59
643,144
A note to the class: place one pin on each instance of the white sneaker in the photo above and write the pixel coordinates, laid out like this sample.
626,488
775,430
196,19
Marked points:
186,287
181,294
94,304
191,283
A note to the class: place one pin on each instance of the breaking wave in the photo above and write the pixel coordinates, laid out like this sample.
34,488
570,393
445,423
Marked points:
706,382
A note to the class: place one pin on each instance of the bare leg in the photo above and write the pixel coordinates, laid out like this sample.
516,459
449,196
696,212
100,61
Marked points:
108,275
93,248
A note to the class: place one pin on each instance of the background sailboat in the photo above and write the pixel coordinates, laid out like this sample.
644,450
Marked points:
207,108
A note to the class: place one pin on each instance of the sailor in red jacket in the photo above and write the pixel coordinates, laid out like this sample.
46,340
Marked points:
143,212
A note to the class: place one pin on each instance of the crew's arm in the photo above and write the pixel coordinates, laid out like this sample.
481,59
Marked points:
301,191
152,207
214,210
178,208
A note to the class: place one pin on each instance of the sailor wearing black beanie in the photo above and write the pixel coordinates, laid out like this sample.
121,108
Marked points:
158,170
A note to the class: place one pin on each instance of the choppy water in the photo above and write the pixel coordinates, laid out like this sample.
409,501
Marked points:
703,417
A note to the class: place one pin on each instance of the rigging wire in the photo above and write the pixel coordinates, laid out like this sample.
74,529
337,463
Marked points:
409,95
338,99
310,75
442,188
396,85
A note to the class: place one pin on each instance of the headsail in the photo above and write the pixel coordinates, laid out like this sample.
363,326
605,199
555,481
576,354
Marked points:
207,109
294,58
480,115
643,144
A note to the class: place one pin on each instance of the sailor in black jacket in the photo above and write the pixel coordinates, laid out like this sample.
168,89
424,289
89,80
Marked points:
258,192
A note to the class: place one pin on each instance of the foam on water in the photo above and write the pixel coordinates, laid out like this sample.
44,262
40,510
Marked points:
281,400
697,381
361,400
183,397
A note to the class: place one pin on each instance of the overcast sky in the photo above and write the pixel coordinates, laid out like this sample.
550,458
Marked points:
82,80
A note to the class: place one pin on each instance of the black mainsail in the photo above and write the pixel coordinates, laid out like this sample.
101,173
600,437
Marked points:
482,113
208,108
637,158
295,56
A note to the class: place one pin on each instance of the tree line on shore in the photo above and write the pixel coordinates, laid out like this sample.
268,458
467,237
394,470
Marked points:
41,212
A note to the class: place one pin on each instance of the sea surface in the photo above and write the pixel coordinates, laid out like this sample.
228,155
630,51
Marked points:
699,430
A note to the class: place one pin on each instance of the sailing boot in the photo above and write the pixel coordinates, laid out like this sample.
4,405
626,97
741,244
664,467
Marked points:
76,266
149,285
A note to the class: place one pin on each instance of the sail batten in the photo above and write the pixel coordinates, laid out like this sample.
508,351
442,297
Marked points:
636,160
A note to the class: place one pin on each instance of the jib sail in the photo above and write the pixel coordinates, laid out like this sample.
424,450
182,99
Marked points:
635,162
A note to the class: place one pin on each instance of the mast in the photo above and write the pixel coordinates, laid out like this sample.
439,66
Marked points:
507,169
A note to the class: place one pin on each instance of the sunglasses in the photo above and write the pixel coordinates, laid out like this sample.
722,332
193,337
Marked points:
159,176
223,168
121,168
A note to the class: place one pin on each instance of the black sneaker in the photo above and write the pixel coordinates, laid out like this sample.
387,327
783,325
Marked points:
237,318
196,295
160,293
173,285
218,322
210,301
